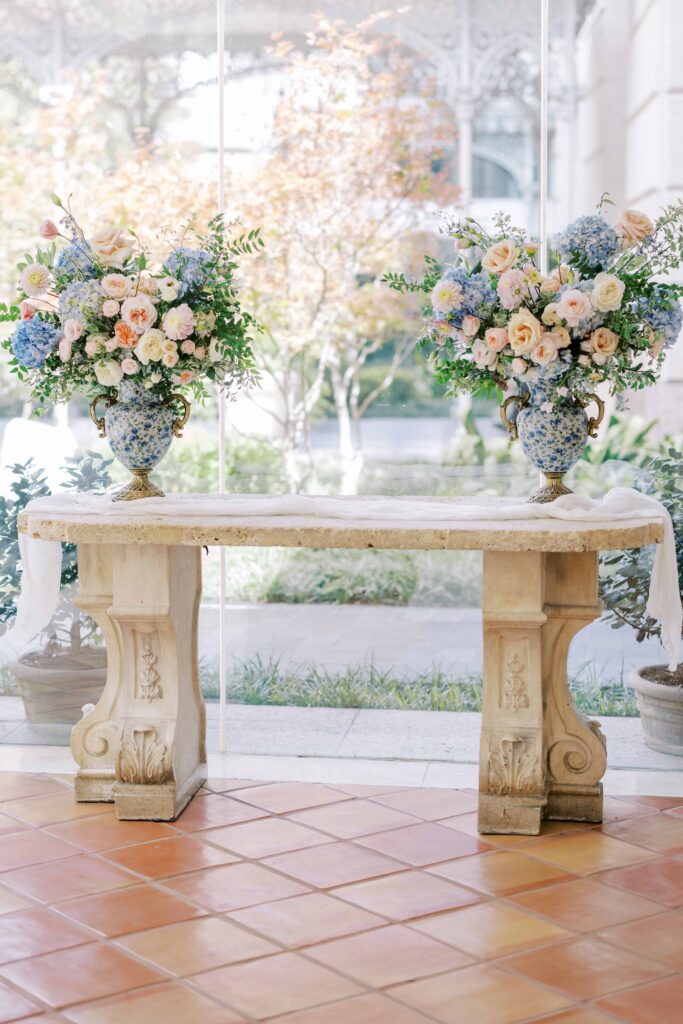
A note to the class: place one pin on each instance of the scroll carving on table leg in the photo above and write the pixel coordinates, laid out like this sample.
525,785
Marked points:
576,755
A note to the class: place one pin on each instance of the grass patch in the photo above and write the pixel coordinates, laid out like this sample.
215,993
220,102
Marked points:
261,681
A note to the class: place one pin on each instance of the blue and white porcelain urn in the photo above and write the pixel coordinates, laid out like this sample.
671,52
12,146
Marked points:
140,427
553,432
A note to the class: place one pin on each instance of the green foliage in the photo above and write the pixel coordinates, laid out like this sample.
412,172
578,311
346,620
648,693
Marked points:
626,575
323,576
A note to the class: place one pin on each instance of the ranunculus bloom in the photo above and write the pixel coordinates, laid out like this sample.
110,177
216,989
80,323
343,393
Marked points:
73,329
35,279
500,257
496,338
129,365
64,349
574,306
111,246
604,341
524,332
545,351
484,357
200,352
125,335
150,348
48,229
634,226
513,288
108,373
138,312
187,347
116,286
470,326
26,310
178,322
110,307
607,293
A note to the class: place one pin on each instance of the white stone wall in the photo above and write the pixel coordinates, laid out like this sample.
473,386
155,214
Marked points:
629,134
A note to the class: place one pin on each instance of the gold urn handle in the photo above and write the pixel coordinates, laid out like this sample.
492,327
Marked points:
99,420
511,425
595,421
180,421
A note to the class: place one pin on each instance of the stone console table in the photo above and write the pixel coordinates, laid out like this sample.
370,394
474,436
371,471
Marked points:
142,746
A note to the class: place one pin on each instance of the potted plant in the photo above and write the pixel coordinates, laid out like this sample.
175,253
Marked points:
624,588
67,666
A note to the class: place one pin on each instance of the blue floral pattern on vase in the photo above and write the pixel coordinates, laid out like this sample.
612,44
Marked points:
553,431
139,427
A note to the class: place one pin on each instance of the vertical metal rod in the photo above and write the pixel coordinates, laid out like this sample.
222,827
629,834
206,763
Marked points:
220,77
543,143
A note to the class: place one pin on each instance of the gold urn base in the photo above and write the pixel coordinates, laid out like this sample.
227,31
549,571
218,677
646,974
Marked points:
139,487
553,488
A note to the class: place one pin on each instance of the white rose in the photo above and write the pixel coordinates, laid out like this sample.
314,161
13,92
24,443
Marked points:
108,373
111,246
115,286
607,292
150,347
550,316
524,332
500,257
633,226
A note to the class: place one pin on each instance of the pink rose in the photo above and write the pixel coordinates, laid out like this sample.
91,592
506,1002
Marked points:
179,322
129,365
91,348
73,329
200,352
496,338
518,365
110,307
64,349
111,344
470,326
48,229
574,306
187,347
26,310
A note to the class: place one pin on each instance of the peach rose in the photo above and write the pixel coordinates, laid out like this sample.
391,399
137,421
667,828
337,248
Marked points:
116,286
604,341
559,336
125,335
574,306
632,227
138,312
500,257
470,326
111,246
183,378
110,307
559,276
484,357
545,351
200,352
519,366
170,358
524,332
187,347
496,338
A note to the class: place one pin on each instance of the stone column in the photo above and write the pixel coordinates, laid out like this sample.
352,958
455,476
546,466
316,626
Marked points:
539,756
148,729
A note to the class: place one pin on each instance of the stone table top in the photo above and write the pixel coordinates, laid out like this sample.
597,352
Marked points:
177,522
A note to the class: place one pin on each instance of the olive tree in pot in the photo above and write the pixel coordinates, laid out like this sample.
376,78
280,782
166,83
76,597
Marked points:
66,666
624,586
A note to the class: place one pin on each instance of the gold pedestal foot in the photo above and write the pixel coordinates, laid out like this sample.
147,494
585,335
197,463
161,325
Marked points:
554,487
139,487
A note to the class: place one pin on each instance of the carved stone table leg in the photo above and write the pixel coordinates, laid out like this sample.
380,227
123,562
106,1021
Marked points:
539,756
154,711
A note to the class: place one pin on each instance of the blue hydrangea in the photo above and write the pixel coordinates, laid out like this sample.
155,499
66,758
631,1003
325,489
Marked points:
588,241
188,266
476,292
80,300
663,314
75,259
33,340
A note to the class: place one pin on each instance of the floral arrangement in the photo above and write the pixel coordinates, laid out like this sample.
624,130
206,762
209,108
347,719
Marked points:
600,315
92,313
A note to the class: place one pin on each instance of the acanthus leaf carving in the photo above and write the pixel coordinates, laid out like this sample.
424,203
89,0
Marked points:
512,769
142,758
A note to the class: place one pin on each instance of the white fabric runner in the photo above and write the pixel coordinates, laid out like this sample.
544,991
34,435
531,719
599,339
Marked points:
42,559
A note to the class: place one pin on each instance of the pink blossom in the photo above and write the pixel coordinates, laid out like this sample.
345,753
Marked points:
130,365
73,329
513,287
91,348
48,229
496,338
111,344
64,349
183,378
26,310
470,326
200,352
574,306
110,307
179,322
187,347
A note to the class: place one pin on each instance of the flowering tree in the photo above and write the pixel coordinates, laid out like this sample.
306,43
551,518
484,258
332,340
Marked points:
349,181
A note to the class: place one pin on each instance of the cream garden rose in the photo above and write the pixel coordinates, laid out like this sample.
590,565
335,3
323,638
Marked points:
108,373
559,336
138,312
111,246
115,286
150,348
500,257
607,293
524,331
574,306
633,227
604,341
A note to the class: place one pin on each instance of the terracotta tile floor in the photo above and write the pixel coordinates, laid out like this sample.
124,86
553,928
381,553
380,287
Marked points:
302,904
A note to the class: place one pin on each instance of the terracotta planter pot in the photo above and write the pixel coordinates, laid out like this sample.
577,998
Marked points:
661,712
54,688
